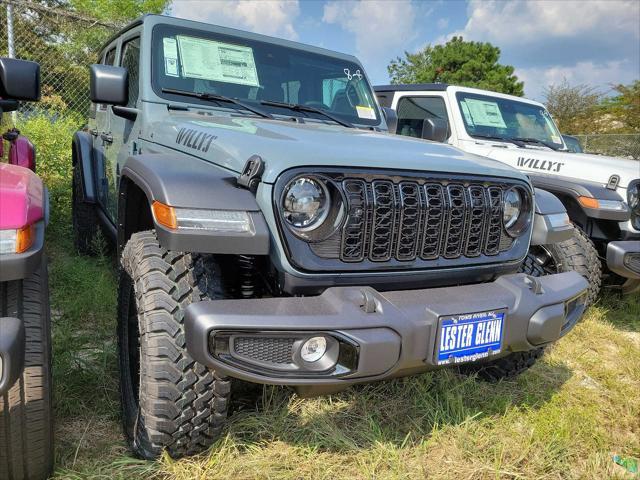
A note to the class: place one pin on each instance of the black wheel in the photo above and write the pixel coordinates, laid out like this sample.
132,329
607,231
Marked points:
85,223
26,420
168,400
578,253
506,367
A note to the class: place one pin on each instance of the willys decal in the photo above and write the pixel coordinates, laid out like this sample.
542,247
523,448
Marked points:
198,140
546,165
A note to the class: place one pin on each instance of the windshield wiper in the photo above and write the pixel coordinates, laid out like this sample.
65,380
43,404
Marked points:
535,140
296,107
218,98
503,139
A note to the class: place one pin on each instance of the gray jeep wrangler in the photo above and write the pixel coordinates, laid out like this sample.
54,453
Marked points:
271,231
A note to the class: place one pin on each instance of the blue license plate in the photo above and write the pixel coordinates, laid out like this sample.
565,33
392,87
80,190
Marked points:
470,336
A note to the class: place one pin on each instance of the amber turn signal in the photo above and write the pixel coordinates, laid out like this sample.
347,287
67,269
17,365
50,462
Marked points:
589,202
25,238
164,215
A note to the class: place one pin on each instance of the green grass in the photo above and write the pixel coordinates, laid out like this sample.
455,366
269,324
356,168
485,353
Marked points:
564,418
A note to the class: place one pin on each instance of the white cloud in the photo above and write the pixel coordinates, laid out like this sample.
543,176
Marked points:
381,28
270,17
562,32
601,76
442,23
522,21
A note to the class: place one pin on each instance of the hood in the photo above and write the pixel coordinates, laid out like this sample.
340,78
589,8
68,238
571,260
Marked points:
582,166
230,141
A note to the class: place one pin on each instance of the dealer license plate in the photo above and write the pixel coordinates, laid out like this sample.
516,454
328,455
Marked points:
470,336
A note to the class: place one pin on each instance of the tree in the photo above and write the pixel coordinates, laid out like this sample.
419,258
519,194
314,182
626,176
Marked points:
624,108
64,36
470,64
574,108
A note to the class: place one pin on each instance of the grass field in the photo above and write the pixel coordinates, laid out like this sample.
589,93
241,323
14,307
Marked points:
565,418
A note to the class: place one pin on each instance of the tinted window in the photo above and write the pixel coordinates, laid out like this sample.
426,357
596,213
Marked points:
254,71
412,112
131,61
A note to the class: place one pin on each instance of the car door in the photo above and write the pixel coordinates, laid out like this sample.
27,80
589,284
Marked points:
116,136
97,127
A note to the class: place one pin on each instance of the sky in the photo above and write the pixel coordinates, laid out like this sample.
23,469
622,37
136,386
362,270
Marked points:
592,42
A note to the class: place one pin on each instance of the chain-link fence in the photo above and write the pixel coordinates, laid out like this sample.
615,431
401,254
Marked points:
625,145
63,43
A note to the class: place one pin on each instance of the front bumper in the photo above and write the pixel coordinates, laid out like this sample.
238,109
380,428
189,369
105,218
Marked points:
11,351
623,258
378,335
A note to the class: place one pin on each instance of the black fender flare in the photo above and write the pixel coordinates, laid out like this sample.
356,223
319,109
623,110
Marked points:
182,181
572,188
82,156
546,229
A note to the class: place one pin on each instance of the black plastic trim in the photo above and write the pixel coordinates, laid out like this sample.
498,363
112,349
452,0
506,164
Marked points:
580,188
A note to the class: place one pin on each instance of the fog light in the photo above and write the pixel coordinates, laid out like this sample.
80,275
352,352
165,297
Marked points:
313,349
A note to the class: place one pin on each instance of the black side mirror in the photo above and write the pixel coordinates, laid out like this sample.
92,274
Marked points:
435,129
19,80
391,117
108,84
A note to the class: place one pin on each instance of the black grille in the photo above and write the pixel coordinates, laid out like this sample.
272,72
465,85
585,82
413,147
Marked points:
406,220
271,350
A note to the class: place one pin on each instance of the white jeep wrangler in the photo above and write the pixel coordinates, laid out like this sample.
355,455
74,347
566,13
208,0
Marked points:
601,194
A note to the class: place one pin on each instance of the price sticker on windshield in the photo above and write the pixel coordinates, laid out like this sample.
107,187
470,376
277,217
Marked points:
223,62
365,112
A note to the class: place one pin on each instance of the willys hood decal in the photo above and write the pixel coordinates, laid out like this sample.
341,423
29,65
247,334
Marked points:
581,166
230,141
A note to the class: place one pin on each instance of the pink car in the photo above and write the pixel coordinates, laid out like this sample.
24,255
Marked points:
26,433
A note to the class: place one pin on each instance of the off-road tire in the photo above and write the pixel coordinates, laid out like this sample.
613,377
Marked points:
182,406
85,222
26,420
506,367
578,253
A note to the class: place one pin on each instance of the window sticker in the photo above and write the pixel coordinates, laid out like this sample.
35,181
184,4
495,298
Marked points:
365,112
221,62
484,113
170,50
467,115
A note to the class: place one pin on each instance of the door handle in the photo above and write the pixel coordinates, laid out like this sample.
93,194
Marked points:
106,137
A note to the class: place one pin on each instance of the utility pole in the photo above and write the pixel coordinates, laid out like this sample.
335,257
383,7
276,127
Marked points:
10,44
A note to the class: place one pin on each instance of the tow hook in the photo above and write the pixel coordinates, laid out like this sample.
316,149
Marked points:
534,284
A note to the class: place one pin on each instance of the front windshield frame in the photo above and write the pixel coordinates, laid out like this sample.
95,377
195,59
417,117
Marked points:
509,132
364,89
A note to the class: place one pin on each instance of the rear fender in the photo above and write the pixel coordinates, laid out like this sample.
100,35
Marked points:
82,145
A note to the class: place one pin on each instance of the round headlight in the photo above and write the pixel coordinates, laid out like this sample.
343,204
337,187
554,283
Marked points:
511,208
305,203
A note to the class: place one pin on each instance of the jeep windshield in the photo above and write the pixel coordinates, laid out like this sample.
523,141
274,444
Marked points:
256,72
512,121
